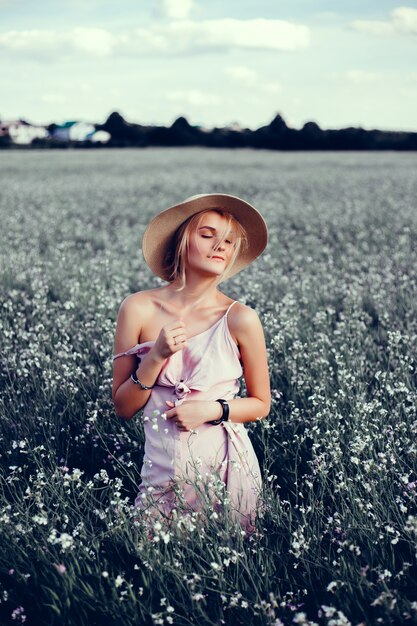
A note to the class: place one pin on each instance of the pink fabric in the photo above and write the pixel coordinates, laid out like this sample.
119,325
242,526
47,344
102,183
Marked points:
212,457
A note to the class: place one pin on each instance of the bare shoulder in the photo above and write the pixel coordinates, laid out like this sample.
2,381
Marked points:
243,321
134,312
142,300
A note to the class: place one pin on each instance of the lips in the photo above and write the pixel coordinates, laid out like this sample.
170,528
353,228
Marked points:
220,258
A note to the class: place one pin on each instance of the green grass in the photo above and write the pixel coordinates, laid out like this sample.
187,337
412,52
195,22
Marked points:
336,292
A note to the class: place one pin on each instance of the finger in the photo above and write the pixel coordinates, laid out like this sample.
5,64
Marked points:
169,403
175,325
171,413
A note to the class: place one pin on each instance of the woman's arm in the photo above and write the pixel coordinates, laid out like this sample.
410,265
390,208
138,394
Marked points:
129,398
245,326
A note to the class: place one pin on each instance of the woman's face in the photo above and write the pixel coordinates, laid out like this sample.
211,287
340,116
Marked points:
207,251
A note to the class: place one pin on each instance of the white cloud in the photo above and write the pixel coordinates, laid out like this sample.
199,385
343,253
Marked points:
361,77
402,20
187,36
53,98
272,88
246,77
373,27
405,20
95,41
254,33
45,44
177,37
194,97
176,9
241,74
87,88
30,40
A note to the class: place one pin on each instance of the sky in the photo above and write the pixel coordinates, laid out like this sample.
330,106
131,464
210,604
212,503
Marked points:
217,62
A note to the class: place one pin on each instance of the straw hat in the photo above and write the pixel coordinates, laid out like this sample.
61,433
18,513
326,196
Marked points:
159,235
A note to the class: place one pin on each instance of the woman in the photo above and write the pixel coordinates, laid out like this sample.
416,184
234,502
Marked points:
191,344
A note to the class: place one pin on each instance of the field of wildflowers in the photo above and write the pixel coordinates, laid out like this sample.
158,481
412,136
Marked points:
336,291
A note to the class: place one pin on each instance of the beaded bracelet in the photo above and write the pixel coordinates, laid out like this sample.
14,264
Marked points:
136,380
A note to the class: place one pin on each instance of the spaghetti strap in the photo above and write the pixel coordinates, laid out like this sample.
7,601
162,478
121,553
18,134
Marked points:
228,309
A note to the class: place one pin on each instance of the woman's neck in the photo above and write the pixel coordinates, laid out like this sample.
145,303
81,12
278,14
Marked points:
194,293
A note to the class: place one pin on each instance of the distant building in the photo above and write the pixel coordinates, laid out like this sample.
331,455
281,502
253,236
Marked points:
78,131
235,126
61,132
81,131
22,132
101,136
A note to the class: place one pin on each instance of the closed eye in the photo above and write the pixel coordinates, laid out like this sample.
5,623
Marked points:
228,241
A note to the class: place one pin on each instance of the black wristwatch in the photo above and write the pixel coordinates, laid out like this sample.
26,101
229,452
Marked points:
225,414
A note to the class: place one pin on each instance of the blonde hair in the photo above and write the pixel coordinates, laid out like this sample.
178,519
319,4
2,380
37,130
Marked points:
177,254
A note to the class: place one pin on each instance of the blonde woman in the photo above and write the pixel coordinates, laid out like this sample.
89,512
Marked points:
180,350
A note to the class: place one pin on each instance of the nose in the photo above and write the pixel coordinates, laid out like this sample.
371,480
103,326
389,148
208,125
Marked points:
220,245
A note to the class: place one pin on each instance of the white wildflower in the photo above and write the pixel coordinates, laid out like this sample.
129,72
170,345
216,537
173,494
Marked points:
119,581
215,566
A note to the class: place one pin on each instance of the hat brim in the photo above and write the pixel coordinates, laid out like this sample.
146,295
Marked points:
159,235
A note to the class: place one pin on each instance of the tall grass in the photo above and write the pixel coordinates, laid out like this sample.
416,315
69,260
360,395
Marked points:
336,540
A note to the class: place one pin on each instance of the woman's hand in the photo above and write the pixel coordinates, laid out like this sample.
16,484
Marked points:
192,414
171,339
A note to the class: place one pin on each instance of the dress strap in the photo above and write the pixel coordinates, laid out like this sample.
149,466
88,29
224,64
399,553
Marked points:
228,309
139,349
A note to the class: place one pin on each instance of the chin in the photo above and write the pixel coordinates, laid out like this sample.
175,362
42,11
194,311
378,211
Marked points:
209,273
213,269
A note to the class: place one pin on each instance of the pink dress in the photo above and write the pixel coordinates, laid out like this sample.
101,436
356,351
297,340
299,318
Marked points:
216,460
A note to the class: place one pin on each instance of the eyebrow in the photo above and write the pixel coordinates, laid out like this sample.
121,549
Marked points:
214,230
